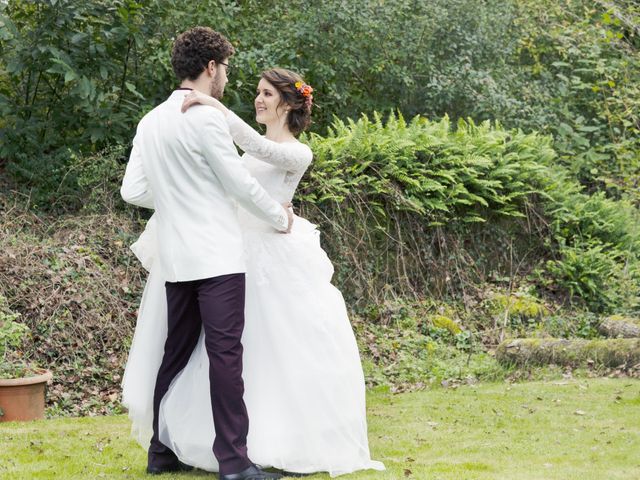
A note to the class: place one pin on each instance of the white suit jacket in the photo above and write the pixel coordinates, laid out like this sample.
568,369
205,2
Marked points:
185,167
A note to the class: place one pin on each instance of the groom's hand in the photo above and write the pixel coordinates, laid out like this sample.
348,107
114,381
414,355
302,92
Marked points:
289,208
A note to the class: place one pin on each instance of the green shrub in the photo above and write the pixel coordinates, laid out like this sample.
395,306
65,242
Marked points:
415,189
79,75
519,304
445,208
12,337
572,325
597,247
418,191
427,168
11,331
99,178
588,272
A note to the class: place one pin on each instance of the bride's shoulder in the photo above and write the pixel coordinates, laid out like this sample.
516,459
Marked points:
302,147
301,151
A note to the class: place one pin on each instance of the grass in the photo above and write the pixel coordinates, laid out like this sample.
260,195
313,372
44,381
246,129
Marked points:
587,429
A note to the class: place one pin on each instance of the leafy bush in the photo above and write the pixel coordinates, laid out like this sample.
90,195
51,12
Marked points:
583,69
76,76
98,179
417,193
597,247
11,332
14,335
425,167
588,272
572,325
428,197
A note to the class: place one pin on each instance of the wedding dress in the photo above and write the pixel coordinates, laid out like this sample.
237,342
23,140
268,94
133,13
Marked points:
304,386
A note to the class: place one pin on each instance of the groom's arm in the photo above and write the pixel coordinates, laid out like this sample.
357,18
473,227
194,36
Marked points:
223,158
135,185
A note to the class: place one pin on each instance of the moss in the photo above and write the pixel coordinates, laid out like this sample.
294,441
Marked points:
520,305
624,319
619,326
574,353
446,323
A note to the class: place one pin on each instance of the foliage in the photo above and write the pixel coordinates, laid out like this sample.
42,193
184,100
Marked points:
447,209
66,86
76,76
445,323
598,247
407,345
77,286
417,192
587,272
521,305
11,332
441,209
426,168
583,60
98,178
513,313
420,191
12,338
572,325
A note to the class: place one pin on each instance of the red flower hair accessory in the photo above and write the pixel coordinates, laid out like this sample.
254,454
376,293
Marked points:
306,91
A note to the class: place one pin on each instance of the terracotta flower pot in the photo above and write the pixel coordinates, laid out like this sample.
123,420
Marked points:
23,398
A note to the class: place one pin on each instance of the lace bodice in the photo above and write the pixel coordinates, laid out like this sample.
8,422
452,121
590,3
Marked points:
278,167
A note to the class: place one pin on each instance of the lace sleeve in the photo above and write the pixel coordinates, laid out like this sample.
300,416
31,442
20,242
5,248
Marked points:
293,157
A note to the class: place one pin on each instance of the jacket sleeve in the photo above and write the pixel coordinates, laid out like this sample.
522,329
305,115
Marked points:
135,185
222,157
292,157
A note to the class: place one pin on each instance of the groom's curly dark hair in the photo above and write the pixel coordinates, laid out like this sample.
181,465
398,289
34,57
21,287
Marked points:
195,48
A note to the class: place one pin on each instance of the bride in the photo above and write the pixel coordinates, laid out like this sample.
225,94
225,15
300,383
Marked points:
300,352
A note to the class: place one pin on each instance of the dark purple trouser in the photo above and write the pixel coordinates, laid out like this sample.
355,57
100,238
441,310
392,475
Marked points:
217,304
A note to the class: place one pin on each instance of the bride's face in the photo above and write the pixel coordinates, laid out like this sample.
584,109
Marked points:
267,103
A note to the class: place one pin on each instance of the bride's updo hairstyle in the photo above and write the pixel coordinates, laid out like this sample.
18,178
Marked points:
294,93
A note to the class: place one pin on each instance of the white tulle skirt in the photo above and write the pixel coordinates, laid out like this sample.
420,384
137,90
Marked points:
304,386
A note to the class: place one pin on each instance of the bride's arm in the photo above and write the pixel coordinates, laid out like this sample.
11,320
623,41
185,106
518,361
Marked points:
288,156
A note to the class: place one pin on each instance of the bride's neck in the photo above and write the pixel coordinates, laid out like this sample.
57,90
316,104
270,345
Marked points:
279,133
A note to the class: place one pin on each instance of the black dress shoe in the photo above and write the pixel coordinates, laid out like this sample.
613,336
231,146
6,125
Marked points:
251,473
175,467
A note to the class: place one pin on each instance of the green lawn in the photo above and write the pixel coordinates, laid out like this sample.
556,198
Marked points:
574,429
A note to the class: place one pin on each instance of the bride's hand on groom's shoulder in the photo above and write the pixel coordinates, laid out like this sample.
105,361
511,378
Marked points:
195,98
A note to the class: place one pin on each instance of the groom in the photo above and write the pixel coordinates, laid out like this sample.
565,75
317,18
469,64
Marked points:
186,168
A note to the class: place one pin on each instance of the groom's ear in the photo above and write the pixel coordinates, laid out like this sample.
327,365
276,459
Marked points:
211,67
